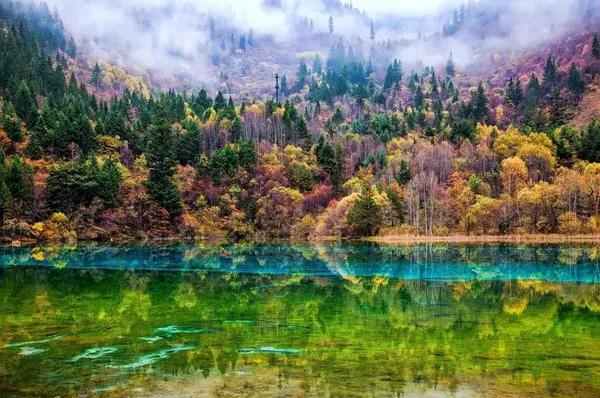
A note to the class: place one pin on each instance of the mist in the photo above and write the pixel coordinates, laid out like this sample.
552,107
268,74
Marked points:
172,39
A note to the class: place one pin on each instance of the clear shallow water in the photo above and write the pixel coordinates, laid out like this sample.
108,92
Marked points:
281,320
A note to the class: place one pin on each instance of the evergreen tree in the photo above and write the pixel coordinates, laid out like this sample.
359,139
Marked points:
317,66
25,104
590,142
242,43
550,73
303,134
236,129
200,102
533,90
97,76
331,25
479,104
220,102
223,163
372,31
404,173
11,122
109,181
330,159
284,86
338,116
42,136
365,217
419,97
389,78
393,75
160,154
559,111
301,75
189,143
74,128
5,196
596,47
514,93
450,67
246,154
434,84
72,48
19,180
71,185
576,83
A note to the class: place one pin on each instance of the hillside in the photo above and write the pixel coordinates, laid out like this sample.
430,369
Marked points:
358,145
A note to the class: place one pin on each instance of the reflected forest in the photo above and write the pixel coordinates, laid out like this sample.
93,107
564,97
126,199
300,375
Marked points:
325,323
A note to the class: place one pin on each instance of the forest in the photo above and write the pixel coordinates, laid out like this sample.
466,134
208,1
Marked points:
350,147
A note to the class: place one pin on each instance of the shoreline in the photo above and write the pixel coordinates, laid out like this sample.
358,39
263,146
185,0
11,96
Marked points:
405,240
475,239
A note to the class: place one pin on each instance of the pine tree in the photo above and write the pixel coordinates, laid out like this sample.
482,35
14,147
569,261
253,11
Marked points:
11,122
303,134
42,136
479,104
533,90
109,181
97,76
19,180
25,105
317,66
236,129
284,86
220,101
559,111
331,25
596,47
328,160
365,217
450,67
5,196
242,43
301,75
517,96
419,97
246,154
404,173
338,116
389,78
434,85
514,93
76,128
72,48
576,83
160,155
550,73
590,142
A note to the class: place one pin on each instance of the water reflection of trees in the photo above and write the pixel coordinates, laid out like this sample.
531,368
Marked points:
350,261
351,330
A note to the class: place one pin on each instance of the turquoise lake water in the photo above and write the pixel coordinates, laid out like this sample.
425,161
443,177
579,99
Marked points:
300,320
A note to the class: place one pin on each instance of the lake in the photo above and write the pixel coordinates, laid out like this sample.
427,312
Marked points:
332,320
